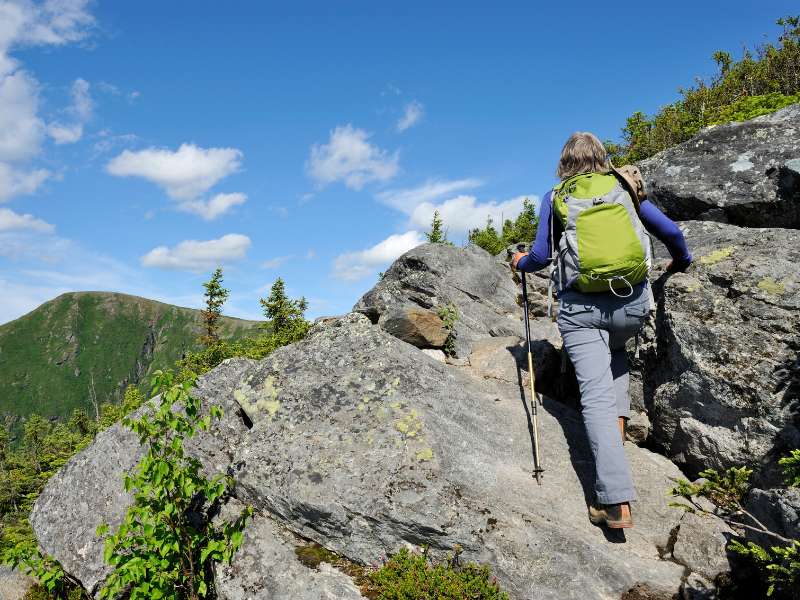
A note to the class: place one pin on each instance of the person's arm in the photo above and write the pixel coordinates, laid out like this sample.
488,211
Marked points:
539,256
668,233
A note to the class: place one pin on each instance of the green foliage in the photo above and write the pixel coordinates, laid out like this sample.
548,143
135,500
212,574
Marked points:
437,234
165,545
286,316
215,296
791,468
761,82
520,230
448,313
413,576
725,490
779,566
53,581
487,238
286,325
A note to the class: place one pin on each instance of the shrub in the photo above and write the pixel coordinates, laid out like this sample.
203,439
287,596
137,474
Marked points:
413,576
779,565
165,545
520,230
761,82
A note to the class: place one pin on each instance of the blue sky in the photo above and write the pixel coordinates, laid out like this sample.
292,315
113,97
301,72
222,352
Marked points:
142,144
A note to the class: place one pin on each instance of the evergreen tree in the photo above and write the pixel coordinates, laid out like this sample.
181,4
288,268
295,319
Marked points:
286,316
215,296
437,234
487,238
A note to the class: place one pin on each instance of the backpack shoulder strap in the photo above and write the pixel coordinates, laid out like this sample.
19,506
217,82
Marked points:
631,179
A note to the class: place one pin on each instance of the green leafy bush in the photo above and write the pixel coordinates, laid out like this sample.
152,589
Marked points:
779,565
762,81
791,468
413,576
165,545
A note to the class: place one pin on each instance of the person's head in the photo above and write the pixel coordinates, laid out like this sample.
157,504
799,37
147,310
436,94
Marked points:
583,153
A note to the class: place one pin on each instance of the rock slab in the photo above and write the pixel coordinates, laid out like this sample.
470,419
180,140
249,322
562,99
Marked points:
746,174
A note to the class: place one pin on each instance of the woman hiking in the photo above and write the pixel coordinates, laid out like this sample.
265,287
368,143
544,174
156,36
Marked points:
597,235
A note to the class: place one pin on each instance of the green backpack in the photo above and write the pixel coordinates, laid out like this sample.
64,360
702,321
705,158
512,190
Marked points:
604,245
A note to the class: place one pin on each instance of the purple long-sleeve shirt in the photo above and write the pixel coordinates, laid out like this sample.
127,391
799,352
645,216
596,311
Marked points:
655,221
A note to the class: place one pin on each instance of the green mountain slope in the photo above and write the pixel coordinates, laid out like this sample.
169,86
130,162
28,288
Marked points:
52,358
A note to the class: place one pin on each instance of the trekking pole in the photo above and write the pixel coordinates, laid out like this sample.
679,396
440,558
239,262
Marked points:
537,468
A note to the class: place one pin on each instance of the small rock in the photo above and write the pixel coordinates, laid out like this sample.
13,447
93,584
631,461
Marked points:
700,544
638,427
13,583
435,354
698,588
418,326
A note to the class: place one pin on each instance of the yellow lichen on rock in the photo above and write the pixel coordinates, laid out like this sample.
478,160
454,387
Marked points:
409,425
772,287
425,454
717,256
259,403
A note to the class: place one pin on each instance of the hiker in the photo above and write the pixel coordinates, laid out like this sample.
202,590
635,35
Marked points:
598,240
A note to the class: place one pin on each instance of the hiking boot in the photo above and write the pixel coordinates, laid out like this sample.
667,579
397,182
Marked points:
611,515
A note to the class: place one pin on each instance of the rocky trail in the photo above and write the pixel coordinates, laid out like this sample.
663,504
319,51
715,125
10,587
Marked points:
364,443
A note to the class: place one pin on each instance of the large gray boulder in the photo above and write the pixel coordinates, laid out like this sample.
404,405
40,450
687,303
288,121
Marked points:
364,444
433,276
745,173
720,375
374,446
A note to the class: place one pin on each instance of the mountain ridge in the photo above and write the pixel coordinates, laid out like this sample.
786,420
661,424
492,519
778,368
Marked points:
49,357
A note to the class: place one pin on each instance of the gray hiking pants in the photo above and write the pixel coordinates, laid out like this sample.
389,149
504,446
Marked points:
594,328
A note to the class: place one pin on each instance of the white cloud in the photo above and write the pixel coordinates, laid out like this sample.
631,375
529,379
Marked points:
274,263
192,255
349,157
15,182
357,265
65,134
184,174
213,208
9,220
462,213
80,110
412,114
406,200
52,22
21,130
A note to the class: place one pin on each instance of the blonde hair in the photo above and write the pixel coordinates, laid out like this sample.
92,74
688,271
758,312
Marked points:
583,153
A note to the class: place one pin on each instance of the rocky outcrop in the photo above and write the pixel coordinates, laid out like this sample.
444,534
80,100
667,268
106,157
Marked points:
720,372
434,276
746,174
364,444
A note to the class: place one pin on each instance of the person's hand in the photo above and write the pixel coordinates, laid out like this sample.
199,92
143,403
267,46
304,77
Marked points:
516,258
677,267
